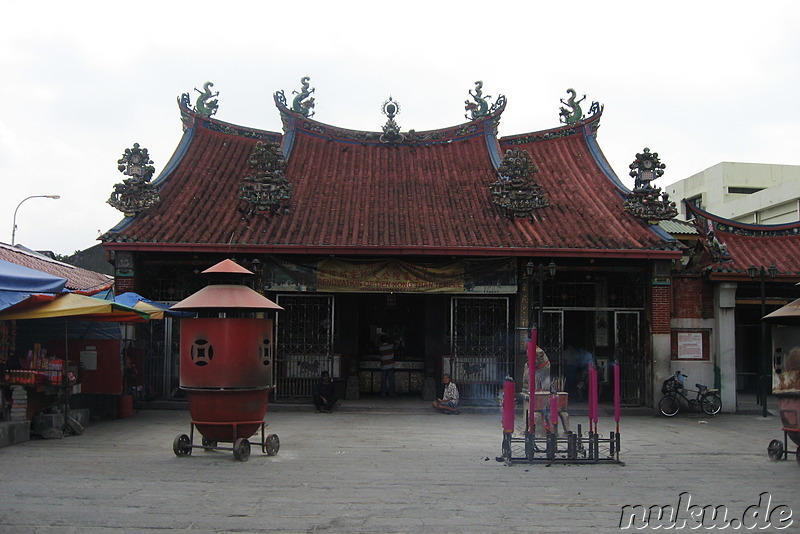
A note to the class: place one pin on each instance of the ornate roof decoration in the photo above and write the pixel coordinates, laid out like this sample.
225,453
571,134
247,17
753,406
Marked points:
134,194
391,130
480,108
717,250
574,113
514,191
645,201
266,188
303,102
206,104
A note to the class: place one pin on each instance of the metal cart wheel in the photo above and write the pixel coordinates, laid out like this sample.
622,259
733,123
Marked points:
272,445
669,406
241,450
775,450
182,446
209,444
711,404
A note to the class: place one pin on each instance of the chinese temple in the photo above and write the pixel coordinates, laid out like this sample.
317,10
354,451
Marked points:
453,242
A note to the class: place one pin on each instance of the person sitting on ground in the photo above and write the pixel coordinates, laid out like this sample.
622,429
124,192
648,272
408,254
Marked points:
325,394
449,402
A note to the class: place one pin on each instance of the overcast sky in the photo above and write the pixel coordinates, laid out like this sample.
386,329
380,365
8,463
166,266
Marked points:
698,82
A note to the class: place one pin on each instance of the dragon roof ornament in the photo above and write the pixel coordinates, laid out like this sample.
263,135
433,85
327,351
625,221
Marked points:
135,194
573,113
515,192
266,189
303,102
645,201
206,104
480,108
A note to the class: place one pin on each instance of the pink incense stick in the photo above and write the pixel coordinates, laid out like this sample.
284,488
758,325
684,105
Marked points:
616,394
532,379
592,395
508,406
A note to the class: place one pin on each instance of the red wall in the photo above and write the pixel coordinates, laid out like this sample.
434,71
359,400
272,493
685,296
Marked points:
693,298
107,378
662,309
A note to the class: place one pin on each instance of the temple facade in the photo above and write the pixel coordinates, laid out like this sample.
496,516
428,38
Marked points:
453,242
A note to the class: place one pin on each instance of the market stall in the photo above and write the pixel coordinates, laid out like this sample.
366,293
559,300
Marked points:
55,351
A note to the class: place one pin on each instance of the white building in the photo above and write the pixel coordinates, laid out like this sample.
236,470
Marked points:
752,193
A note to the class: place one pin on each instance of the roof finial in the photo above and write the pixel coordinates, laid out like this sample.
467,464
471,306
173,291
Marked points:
204,105
645,201
303,102
134,194
575,113
391,130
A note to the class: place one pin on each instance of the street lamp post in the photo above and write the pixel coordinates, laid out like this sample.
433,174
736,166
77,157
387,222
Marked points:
14,230
765,373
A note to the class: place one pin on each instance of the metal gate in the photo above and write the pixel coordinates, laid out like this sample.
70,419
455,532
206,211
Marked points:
304,342
632,358
481,345
551,340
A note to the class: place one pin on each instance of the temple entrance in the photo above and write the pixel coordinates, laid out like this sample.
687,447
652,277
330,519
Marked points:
402,318
573,339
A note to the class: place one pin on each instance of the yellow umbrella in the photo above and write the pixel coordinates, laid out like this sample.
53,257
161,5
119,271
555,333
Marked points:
153,311
75,305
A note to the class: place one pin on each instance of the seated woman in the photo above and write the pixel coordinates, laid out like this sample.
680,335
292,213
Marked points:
324,394
449,402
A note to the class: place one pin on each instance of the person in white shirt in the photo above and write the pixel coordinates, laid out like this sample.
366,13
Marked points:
449,402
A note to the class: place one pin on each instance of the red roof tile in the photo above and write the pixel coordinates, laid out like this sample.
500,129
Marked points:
78,279
353,194
749,244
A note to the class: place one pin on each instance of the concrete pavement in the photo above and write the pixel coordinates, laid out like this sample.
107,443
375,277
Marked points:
391,468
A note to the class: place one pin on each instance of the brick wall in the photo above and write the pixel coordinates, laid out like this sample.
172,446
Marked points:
693,298
661,310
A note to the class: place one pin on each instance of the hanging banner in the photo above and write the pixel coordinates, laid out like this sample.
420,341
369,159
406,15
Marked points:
388,276
338,275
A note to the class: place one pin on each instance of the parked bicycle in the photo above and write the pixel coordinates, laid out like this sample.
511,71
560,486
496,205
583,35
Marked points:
707,399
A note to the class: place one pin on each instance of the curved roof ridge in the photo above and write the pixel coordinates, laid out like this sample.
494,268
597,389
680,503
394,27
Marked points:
192,119
554,133
411,136
732,225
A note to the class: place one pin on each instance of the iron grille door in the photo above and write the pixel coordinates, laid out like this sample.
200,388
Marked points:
631,357
551,340
481,350
304,343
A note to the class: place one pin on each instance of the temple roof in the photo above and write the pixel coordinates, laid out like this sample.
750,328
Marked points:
426,193
730,247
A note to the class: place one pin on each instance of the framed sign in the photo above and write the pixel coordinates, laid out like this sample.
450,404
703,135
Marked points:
690,345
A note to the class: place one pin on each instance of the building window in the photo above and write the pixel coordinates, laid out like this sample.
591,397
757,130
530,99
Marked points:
744,190
697,202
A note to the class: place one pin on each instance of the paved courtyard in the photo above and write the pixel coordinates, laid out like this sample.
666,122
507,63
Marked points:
379,471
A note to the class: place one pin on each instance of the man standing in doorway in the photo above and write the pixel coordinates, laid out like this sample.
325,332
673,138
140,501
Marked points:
386,350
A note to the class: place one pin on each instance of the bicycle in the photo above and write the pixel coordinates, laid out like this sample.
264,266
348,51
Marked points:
707,399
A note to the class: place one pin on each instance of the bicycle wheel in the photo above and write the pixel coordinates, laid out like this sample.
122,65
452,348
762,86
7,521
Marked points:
711,404
669,405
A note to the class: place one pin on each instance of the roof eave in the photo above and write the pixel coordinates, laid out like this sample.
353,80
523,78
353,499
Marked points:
393,251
